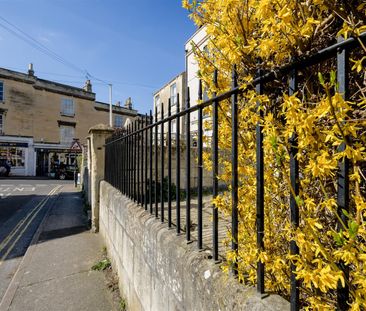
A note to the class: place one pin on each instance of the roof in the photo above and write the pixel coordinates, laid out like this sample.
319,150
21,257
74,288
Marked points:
170,81
47,85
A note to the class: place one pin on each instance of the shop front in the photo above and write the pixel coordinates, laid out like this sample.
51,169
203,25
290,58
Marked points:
17,153
53,157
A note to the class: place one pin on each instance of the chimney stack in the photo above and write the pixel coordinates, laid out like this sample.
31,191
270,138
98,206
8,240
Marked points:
30,70
88,86
128,103
118,104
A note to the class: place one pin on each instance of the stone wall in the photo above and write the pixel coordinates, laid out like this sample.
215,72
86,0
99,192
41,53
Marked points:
159,271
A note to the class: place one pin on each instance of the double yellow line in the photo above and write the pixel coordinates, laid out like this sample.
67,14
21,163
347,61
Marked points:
27,221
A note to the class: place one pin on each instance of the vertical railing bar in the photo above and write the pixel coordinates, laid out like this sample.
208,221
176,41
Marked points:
260,191
141,185
146,149
106,162
111,159
156,163
113,163
110,165
132,159
294,209
177,141
119,157
215,172
128,181
124,162
116,160
169,166
343,177
200,171
234,172
138,161
151,164
116,163
162,165
188,168
131,162
135,161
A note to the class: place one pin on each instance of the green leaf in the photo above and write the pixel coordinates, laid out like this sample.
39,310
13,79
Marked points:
102,265
321,78
333,77
338,238
352,229
299,201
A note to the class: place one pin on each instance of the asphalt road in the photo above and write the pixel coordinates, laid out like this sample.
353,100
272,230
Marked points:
23,204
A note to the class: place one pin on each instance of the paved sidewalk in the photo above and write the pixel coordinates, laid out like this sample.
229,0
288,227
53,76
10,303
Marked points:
55,273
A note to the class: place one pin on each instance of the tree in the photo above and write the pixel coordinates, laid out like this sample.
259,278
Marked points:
265,34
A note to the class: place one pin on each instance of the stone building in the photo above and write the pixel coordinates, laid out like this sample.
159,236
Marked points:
198,40
172,90
39,120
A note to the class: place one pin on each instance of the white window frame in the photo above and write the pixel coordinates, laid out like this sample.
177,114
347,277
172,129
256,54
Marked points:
67,107
173,94
174,126
157,104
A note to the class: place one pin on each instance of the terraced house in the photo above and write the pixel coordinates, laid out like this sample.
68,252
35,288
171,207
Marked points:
39,120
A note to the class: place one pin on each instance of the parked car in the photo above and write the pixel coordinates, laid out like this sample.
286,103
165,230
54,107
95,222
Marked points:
65,172
4,168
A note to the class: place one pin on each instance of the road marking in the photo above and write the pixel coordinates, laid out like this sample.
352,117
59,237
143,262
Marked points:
22,221
43,203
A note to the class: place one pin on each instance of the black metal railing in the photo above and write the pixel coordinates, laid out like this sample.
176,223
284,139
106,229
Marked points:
132,162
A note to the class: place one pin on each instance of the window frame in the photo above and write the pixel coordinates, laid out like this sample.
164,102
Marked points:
65,107
1,123
63,127
2,92
117,116
157,104
173,97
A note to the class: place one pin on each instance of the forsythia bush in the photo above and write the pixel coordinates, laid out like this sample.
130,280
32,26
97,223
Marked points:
267,34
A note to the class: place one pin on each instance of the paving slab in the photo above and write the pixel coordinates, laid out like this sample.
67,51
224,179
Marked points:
76,292
56,271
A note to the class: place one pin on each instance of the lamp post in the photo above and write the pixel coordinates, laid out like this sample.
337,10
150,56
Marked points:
110,105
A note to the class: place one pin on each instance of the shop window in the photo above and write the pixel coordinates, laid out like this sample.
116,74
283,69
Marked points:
67,134
118,121
67,107
14,156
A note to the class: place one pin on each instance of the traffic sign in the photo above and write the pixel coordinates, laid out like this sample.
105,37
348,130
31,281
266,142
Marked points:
75,146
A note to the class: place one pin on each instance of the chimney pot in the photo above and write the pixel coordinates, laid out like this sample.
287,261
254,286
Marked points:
88,86
30,70
128,103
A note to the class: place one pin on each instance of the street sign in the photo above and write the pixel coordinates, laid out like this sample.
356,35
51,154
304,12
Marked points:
75,146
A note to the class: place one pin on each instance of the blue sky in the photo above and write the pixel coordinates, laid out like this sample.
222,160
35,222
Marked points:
138,46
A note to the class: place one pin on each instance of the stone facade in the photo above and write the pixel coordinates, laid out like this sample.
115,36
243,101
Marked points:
48,116
161,97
